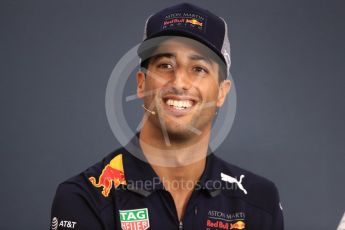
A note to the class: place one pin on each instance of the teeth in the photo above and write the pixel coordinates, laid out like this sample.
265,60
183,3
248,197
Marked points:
179,104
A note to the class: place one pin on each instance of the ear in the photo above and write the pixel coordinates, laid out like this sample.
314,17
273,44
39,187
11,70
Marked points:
224,89
140,84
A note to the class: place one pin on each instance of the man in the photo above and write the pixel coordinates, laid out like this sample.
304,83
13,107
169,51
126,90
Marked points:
181,184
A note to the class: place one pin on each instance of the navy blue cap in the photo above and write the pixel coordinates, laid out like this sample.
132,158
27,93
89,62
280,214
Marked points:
190,21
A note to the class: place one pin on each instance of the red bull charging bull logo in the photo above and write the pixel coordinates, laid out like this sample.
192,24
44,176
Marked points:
238,225
112,173
194,22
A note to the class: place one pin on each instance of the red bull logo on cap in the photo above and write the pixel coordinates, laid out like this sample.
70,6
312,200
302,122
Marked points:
238,225
194,22
113,173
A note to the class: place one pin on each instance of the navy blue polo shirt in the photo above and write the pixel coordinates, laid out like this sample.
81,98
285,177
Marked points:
123,192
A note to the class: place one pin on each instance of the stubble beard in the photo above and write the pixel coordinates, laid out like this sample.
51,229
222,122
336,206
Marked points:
179,132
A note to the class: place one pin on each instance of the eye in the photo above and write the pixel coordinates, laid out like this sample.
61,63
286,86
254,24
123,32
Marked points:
199,69
165,66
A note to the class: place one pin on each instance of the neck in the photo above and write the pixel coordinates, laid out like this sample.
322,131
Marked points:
179,163
169,151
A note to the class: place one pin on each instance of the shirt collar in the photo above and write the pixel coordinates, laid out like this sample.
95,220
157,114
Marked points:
142,179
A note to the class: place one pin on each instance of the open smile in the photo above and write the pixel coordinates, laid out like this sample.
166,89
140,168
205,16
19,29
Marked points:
179,105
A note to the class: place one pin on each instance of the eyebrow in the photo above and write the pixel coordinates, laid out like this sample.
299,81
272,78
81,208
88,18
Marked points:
161,55
194,57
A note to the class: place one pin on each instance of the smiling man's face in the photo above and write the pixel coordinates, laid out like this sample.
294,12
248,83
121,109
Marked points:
182,86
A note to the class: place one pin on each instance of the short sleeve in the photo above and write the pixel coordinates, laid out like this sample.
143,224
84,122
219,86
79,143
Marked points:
72,210
278,220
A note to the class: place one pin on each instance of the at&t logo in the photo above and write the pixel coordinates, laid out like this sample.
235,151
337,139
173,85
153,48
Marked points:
64,224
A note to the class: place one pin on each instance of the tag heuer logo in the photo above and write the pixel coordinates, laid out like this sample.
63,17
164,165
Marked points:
135,219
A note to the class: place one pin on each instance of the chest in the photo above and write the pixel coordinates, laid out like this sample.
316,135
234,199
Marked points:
158,211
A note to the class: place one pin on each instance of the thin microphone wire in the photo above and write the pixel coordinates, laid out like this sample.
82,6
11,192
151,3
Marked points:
150,111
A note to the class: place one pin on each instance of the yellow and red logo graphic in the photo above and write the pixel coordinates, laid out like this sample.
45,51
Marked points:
183,22
194,22
112,173
238,225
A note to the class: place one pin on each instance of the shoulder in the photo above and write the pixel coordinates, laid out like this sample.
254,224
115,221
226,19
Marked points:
91,186
259,192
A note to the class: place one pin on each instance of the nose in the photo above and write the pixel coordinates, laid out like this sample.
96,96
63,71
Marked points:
181,79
